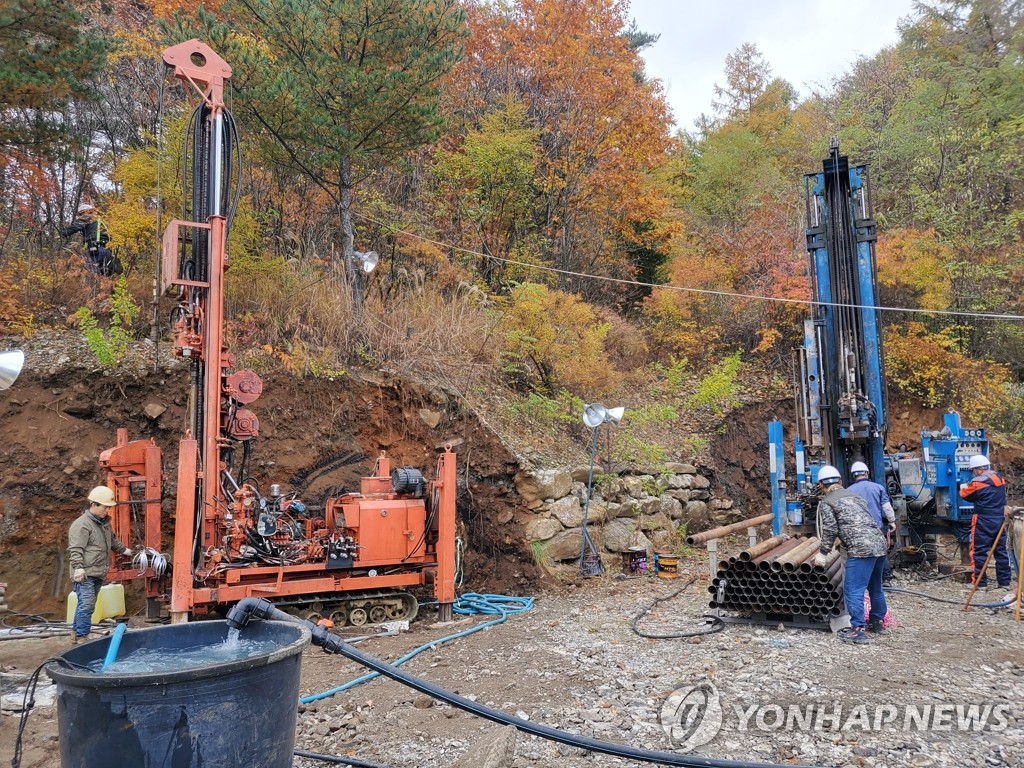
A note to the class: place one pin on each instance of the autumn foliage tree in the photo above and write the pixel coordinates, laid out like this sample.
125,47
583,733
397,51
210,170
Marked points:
603,128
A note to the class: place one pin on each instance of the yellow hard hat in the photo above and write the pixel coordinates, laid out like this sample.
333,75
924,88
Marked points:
102,495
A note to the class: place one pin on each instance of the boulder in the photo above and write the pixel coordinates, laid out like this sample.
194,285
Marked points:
664,539
670,507
655,522
650,504
568,511
695,515
543,529
628,508
700,482
599,511
632,487
542,484
618,534
682,496
566,545
680,469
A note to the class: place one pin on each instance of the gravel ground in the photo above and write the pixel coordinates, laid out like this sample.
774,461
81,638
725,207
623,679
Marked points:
573,662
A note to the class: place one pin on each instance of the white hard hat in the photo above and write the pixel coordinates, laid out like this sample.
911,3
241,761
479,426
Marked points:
859,467
86,207
102,495
828,474
979,461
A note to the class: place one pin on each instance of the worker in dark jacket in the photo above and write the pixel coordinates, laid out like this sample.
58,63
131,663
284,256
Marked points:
987,492
879,505
90,540
845,515
99,258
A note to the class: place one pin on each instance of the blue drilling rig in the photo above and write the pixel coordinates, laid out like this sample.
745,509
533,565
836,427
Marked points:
841,404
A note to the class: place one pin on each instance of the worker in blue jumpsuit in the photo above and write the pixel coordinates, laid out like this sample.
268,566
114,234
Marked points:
879,505
987,492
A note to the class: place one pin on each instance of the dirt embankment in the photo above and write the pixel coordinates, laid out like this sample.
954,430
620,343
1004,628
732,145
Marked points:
57,419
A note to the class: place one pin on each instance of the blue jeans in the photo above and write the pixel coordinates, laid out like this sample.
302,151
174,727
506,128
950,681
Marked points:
864,574
86,592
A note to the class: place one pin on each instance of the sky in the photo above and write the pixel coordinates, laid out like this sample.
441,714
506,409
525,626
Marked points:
807,42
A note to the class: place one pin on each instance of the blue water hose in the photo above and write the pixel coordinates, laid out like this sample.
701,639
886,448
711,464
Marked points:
115,643
469,604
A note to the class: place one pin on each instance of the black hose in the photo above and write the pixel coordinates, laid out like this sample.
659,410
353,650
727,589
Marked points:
715,625
257,607
336,759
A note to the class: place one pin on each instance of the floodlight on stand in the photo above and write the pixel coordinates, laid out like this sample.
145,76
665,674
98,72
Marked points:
10,367
615,415
594,415
367,260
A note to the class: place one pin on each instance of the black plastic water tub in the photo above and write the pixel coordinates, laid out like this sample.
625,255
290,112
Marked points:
238,713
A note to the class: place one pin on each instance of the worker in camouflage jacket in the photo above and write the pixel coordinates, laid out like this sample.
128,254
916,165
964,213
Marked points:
846,515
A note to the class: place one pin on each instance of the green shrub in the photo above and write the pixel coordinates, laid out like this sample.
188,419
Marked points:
110,346
719,390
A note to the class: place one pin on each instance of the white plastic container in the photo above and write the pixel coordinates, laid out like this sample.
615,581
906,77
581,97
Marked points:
109,603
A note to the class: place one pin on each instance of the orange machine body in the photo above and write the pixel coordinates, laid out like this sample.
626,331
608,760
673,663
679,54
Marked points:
351,560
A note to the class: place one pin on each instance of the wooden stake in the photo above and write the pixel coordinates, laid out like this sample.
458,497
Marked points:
981,573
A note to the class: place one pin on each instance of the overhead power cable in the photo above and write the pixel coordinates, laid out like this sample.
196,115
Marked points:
684,289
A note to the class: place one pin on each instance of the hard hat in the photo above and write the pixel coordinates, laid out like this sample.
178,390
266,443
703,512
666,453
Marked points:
102,495
86,207
859,467
979,461
828,475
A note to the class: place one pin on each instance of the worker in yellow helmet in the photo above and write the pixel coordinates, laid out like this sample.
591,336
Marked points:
90,540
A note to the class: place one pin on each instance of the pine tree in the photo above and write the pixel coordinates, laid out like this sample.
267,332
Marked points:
44,59
340,86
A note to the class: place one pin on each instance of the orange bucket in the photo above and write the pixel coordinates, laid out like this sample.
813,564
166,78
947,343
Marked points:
666,565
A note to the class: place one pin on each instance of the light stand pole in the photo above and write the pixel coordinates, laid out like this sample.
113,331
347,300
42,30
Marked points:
594,416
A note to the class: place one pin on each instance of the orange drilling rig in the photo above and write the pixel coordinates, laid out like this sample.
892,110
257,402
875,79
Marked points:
353,561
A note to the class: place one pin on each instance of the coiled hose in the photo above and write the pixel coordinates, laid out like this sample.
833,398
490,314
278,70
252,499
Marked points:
470,603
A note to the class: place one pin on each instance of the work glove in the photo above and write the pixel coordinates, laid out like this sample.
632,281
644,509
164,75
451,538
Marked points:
820,560
127,552
78,576
892,526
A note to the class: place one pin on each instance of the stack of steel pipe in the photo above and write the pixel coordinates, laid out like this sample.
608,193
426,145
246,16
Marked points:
779,577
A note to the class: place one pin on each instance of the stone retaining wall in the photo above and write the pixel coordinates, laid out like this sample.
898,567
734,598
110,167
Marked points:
634,509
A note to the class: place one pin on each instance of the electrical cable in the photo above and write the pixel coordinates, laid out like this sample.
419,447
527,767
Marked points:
27,703
716,624
683,289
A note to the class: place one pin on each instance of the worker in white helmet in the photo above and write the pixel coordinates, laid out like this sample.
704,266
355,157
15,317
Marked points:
845,515
90,540
879,505
987,492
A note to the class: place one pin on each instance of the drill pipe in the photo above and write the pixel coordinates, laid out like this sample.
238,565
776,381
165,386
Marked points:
764,562
792,559
765,546
725,530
